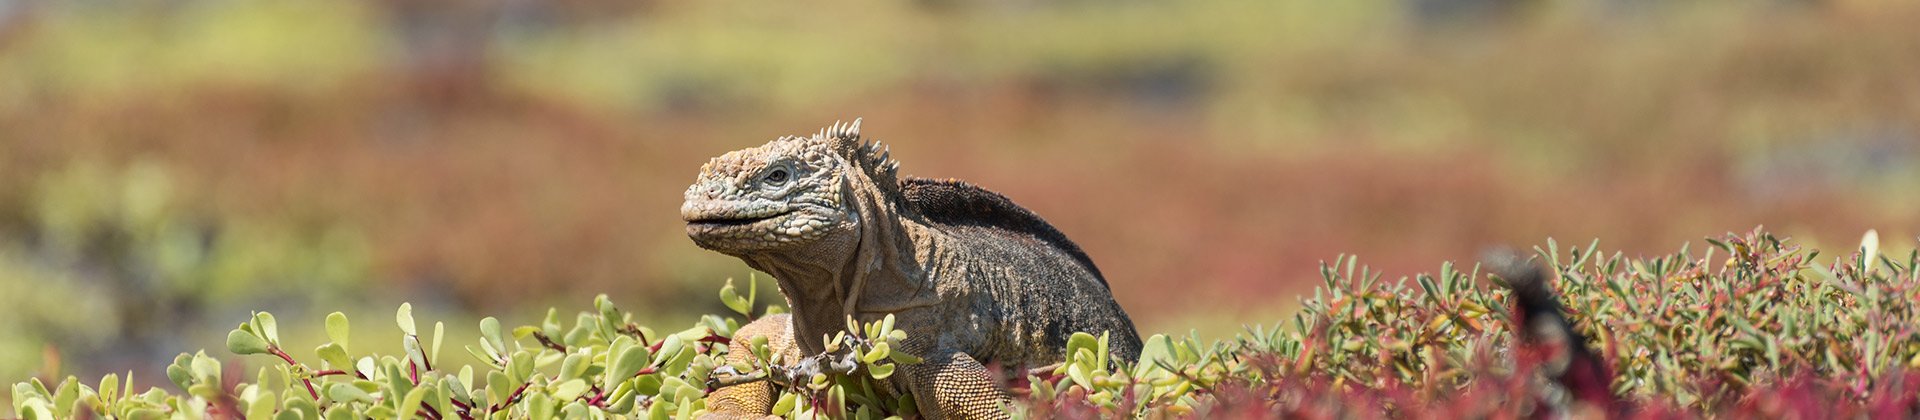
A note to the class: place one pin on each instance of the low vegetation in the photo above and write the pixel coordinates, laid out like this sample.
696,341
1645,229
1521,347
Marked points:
1750,325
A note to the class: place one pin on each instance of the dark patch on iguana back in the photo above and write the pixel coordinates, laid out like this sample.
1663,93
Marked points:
957,203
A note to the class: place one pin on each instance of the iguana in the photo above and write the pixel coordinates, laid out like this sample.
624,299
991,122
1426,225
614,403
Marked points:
1581,381
974,280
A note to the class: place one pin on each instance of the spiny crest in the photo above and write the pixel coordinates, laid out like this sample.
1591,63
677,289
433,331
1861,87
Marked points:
840,131
873,157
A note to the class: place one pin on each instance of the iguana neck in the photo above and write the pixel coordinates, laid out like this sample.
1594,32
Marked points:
859,272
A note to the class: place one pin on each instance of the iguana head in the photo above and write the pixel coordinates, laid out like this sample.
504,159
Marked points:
786,194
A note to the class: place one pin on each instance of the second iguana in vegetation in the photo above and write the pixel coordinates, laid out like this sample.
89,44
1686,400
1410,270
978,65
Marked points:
975,280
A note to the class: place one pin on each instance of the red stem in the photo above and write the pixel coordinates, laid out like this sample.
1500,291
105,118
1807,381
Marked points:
716,338
424,359
635,330
465,411
283,356
599,397
548,341
511,397
433,413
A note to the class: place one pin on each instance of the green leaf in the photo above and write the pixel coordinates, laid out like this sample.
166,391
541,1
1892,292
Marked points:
621,399
1079,374
733,300
439,332
180,375
881,371
36,409
575,410
397,382
411,345
404,317
244,343
439,394
609,314
262,406
575,364
761,350
483,357
364,366
659,411
685,408
205,390
411,404
339,412
205,369
905,404
569,390
381,412
668,348
146,414
628,363
109,388
837,401
265,325
334,356
455,388
68,393
1081,340
302,405
1038,390
1102,351
880,351
1158,349
675,363
520,366
785,404
499,386
490,336
902,357
671,388
337,329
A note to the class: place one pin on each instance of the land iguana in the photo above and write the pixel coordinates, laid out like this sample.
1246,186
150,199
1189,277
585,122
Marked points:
1579,381
974,280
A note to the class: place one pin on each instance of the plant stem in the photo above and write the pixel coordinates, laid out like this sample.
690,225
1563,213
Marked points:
546,341
289,359
511,397
424,359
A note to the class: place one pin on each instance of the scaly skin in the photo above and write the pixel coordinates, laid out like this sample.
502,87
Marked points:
973,279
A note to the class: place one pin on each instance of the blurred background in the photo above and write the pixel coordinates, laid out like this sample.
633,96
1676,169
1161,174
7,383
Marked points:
167,166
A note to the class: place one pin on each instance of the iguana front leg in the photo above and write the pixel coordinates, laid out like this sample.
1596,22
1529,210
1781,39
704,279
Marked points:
752,400
951,384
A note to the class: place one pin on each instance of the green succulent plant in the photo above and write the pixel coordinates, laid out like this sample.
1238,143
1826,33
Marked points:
1752,326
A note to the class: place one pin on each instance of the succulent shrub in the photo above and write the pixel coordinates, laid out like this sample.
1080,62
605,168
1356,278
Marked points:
1753,325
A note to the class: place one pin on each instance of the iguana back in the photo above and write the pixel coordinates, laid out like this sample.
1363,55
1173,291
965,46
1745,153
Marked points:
957,203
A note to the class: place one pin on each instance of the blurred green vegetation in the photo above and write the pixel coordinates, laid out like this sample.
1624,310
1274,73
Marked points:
179,162
115,265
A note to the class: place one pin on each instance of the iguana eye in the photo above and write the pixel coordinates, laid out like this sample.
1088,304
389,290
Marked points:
776,176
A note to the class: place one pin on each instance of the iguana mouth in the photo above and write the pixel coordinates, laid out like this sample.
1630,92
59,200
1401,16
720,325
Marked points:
726,221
